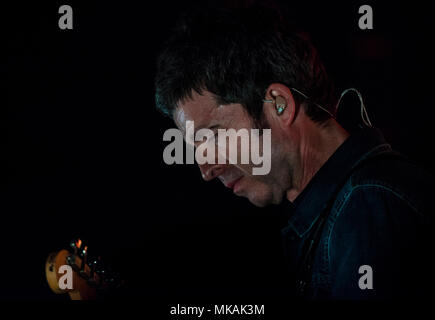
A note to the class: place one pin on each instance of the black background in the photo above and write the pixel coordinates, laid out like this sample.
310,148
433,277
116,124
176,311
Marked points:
83,144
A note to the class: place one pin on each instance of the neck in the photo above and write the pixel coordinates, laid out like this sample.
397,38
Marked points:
316,145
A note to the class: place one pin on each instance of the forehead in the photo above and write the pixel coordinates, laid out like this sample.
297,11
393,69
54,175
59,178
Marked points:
200,108
205,111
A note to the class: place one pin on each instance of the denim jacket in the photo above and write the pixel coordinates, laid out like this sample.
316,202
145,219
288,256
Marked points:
374,242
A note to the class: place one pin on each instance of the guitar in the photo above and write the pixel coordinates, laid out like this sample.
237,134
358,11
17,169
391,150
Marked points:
83,278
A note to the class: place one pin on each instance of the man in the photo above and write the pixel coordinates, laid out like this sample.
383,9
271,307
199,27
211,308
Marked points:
360,211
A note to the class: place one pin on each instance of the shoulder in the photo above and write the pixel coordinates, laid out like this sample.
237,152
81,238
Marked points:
395,179
386,191
377,220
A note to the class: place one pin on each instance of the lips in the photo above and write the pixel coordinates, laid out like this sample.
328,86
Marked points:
233,183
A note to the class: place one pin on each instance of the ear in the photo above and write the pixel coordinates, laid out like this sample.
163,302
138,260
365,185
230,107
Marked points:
280,94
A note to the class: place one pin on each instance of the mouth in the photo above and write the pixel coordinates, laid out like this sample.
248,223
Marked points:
233,183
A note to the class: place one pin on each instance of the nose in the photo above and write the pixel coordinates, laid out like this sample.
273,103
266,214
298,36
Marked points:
211,171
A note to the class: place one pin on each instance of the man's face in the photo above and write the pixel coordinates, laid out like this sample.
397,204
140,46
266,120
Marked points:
261,190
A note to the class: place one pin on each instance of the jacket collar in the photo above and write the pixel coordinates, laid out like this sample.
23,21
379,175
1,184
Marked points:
314,198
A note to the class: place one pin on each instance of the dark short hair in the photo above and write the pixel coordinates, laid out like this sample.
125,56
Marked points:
236,54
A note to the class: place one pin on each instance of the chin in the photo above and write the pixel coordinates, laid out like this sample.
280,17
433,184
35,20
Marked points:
259,204
260,200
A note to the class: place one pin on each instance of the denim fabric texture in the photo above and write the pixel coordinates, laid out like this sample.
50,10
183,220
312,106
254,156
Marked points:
381,216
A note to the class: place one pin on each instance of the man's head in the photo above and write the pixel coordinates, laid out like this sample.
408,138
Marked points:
217,69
